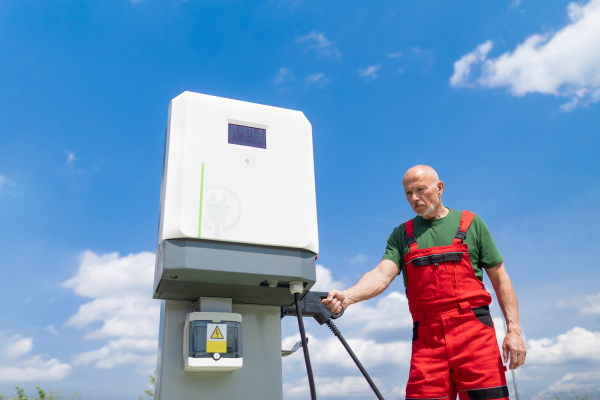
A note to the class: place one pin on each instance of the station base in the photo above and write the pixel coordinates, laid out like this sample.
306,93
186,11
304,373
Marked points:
259,378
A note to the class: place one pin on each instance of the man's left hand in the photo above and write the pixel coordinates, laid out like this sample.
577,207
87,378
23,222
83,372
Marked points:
513,344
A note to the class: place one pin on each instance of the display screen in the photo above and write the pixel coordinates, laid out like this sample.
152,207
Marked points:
247,136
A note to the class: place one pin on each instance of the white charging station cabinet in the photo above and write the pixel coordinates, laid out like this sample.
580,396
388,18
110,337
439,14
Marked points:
212,341
238,172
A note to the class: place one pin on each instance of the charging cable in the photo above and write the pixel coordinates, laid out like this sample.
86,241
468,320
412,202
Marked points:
296,288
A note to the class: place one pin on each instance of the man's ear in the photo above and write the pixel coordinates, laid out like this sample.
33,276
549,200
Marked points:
440,186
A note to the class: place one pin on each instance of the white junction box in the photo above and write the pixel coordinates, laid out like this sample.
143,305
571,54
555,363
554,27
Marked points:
212,341
238,172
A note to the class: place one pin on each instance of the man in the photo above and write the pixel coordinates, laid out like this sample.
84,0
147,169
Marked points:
441,254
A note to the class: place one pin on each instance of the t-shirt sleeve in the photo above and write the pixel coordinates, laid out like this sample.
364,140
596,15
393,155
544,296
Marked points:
489,255
392,249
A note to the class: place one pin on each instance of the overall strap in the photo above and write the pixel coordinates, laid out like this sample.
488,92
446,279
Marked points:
410,235
465,221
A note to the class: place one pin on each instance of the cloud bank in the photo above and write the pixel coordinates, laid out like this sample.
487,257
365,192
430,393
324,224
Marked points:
122,318
120,293
18,365
564,64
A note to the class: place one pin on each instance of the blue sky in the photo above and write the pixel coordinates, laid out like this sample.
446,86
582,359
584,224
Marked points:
500,97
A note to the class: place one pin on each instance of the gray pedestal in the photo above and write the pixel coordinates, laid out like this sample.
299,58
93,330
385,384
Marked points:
259,378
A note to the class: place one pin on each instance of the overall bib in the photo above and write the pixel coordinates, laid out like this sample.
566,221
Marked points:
454,342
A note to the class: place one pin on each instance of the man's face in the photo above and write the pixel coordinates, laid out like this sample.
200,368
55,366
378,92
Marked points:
422,193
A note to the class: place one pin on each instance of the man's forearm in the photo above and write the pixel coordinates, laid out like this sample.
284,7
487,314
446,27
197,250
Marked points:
513,343
370,285
507,299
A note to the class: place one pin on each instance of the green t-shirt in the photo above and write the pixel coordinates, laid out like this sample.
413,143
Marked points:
440,232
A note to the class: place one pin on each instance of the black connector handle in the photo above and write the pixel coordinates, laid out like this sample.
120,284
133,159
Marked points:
311,307
333,316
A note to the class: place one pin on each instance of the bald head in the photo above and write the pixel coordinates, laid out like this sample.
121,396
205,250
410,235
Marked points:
423,190
421,171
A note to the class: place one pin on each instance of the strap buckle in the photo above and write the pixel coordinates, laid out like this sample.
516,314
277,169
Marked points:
461,234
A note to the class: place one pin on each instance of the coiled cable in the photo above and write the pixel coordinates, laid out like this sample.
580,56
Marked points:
337,333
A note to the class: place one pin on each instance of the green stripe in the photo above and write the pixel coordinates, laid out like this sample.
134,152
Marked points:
201,193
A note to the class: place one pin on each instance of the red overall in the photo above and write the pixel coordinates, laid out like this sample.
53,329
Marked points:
454,342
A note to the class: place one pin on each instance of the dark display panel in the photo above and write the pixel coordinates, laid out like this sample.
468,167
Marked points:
247,136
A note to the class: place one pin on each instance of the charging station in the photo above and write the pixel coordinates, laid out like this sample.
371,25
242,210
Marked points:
237,227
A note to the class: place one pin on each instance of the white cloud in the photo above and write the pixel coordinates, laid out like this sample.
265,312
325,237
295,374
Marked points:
576,344
283,75
330,353
395,55
38,370
359,259
18,346
579,381
121,351
325,282
590,305
345,387
120,288
130,317
317,79
71,158
317,42
111,276
565,63
462,67
4,181
16,363
587,305
370,72
500,333
52,329
386,313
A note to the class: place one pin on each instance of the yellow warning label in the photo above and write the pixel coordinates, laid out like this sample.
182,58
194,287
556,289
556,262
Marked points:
216,338
217,334
216,346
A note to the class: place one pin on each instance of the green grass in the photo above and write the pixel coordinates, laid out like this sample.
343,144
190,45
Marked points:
55,394
52,394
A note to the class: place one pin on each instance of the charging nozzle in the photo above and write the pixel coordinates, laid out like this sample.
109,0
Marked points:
312,307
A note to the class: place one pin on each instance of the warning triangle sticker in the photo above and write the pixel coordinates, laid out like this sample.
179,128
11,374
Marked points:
217,334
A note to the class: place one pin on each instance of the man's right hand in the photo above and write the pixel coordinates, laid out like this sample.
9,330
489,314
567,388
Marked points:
335,301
